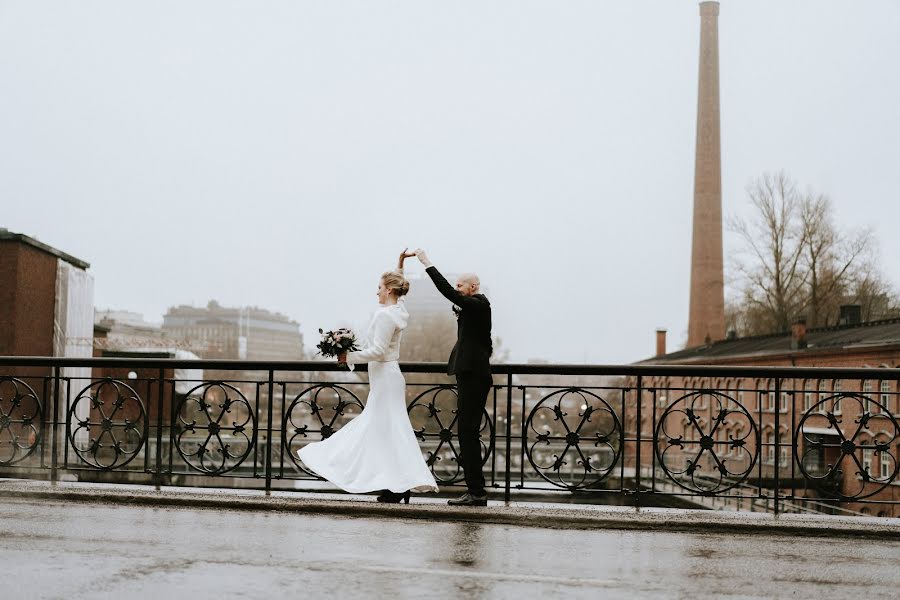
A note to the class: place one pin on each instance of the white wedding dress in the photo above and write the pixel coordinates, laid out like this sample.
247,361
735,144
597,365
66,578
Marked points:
377,450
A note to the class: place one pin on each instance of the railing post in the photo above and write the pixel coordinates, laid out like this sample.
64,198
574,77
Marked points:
777,448
54,475
637,452
506,492
269,434
159,427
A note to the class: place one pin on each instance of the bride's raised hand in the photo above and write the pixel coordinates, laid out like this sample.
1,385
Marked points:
403,256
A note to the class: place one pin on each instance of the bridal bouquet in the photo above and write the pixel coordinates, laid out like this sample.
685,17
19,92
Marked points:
337,342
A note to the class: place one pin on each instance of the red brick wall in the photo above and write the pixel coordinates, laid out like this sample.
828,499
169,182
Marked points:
28,300
885,356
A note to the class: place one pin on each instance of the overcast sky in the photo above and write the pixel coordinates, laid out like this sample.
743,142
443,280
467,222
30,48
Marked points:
281,154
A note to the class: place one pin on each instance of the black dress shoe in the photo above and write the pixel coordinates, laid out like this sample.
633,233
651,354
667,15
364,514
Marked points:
468,499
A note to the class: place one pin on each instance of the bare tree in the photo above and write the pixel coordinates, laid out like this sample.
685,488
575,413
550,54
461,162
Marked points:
833,261
773,274
876,298
796,262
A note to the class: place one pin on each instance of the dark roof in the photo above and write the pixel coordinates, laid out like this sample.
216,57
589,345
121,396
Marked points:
9,236
872,334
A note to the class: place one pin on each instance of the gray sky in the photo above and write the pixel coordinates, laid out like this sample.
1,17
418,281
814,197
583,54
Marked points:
281,154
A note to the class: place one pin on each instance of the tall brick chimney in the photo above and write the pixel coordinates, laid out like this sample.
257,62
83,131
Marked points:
798,334
660,342
706,322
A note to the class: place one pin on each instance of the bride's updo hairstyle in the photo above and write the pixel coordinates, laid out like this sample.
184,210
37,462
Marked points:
396,283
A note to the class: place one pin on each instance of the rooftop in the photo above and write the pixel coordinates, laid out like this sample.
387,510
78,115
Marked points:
868,335
9,236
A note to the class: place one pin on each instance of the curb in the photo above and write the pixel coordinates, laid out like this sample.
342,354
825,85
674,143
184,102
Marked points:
522,514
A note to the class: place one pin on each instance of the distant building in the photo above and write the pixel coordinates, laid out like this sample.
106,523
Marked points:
247,333
46,300
125,334
126,331
46,306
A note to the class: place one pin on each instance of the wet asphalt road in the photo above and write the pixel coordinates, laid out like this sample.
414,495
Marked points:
56,550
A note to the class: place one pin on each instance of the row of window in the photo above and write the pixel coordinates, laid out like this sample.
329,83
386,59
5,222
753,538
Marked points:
812,395
883,461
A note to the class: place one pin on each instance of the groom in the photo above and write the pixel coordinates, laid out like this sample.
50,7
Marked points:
470,362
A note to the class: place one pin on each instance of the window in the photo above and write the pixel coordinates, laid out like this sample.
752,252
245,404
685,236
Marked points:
784,401
702,398
885,398
770,400
867,460
736,434
769,448
807,396
884,465
823,391
867,392
783,457
837,399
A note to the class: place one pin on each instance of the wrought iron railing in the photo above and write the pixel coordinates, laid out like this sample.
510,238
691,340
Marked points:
796,439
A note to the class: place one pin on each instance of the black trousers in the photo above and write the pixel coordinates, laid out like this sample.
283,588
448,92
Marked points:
472,392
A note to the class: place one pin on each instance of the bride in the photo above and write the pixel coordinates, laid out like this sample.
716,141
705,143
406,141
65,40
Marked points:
378,449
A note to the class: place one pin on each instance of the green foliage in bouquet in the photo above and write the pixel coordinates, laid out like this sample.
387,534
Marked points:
337,342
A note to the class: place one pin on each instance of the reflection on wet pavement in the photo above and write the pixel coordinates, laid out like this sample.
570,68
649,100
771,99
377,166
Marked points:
81,550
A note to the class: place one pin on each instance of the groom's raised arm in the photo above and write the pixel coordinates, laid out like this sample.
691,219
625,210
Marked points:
448,291
451,293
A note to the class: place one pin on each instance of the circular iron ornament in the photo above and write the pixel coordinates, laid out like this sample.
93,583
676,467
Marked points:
107,422
434,414
21,415
215,428
832,457
699,462
578,438
322,409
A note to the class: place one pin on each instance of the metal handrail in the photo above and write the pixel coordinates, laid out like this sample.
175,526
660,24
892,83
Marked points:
509,418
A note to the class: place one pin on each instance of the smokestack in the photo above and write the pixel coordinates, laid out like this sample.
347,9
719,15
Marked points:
798,334
660,342
706,322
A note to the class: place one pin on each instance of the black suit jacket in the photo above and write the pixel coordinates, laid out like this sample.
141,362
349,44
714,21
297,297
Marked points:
473,349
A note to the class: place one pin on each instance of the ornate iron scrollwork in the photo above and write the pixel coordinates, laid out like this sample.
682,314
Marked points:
434,416
21,415
321,409
215,428
578,438
107,422
831,452
696,456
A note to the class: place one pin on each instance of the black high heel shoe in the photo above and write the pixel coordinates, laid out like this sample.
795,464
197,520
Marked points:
394,498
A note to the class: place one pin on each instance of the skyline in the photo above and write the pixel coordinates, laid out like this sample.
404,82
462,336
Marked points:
282,156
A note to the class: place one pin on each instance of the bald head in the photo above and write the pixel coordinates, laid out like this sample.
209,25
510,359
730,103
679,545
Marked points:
468,284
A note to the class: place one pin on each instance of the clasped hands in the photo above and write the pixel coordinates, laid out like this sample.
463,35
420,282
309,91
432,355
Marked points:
418,253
